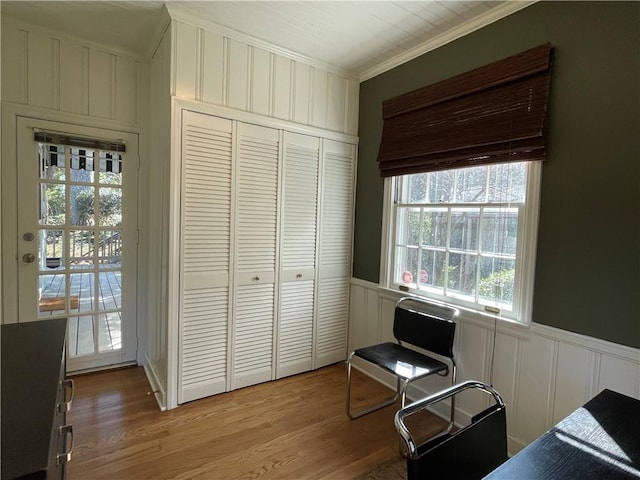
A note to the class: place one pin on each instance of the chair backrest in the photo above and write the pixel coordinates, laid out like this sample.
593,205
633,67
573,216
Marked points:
426,325
468,454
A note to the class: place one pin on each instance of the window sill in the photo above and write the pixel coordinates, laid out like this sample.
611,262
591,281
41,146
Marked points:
467,315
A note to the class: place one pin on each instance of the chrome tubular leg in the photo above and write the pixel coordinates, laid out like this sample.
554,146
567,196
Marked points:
403,392
384,403
454,371
349,386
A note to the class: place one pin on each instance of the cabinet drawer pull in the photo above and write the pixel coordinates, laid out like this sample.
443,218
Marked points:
299,275
67,386
65,430
257,278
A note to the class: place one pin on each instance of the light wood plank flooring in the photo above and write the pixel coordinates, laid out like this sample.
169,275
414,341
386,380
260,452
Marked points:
294,428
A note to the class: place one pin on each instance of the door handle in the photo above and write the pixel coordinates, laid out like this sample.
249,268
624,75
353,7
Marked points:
28,258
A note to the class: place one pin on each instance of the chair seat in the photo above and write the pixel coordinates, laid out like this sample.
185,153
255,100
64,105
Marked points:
401,361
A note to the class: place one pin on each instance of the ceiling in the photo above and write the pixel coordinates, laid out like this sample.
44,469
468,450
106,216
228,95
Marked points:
361,38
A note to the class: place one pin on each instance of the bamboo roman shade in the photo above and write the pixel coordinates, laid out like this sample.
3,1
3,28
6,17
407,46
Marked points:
493,114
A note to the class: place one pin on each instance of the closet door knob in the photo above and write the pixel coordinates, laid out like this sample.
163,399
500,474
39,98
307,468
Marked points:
256,278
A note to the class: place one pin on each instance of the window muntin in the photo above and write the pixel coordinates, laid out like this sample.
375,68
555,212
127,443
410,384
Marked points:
458,236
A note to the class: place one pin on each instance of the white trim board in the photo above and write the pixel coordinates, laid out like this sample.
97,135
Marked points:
157,388
257,119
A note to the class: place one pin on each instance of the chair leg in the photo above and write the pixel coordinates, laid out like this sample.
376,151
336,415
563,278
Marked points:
373,408
454,371
445,431
403,400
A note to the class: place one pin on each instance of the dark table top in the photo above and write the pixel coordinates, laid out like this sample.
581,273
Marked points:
31,361
599,441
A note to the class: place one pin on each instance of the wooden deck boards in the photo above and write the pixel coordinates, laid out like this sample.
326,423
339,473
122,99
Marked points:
82,334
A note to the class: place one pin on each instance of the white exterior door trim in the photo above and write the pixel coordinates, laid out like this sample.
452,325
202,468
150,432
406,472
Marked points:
15,119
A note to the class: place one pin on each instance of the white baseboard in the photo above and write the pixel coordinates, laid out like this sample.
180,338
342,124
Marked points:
158,389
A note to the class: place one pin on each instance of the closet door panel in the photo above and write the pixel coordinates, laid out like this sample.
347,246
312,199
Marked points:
205,253
301,157
253,340
295,339
333,306
257,198
335,252
256,236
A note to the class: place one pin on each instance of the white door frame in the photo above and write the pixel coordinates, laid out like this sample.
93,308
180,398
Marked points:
20,116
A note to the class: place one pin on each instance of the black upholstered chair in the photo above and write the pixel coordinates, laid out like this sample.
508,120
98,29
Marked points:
469,453
419,323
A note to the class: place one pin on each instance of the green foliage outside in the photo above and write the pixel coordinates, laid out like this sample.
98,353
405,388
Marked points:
498,285
82,206
110,203
55,206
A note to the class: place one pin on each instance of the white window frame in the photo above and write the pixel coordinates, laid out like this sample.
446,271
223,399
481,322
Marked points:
525,250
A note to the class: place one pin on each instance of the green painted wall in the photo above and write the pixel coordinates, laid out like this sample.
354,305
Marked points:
587,276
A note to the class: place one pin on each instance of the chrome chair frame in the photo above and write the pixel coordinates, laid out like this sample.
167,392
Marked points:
405,434
469,453
403,381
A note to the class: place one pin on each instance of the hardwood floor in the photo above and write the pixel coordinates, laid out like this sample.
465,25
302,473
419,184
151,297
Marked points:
294,428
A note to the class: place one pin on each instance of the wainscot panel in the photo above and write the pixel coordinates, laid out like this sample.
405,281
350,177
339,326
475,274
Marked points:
543,373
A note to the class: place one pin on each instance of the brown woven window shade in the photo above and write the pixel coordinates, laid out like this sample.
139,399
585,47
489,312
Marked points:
493,114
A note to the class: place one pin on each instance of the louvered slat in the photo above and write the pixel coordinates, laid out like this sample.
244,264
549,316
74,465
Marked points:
205,249
299,203
257,202
337,207
297,254
295,345
335,253
257,198
333,305
253,337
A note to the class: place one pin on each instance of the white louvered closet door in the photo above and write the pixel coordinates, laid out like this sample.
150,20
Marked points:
205,251
301,156
256,233
335,252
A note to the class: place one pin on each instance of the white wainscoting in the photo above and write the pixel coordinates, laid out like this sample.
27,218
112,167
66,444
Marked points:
48,70
543,373
213,67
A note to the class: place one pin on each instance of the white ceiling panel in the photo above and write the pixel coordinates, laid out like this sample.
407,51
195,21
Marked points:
354,36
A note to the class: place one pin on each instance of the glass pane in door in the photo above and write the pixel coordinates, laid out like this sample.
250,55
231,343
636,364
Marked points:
80,246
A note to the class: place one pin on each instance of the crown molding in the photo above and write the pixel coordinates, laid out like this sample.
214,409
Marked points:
463,29
177,12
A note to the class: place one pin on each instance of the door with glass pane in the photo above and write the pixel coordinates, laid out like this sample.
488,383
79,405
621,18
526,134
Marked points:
78,233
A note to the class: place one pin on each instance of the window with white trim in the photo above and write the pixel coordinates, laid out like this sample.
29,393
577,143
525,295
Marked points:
466,236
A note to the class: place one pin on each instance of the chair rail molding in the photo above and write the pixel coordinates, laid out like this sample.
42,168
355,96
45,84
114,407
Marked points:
543,373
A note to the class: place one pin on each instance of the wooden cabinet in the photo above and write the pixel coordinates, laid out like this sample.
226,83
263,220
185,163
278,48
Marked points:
265,251
36,439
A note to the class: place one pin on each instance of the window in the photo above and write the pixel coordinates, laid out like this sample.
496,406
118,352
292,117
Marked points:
466,236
